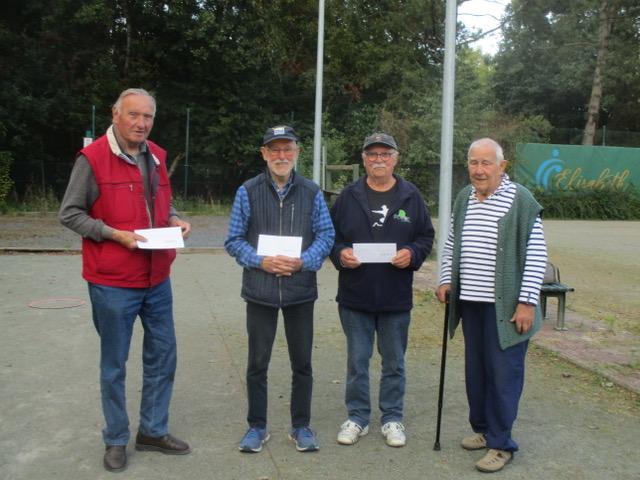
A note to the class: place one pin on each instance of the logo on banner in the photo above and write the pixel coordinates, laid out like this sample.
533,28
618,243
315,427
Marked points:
548,168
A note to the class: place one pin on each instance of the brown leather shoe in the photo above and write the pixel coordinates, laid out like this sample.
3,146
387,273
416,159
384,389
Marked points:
115,458
167,444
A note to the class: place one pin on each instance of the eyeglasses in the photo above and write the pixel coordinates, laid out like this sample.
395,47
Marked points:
275,152
373,156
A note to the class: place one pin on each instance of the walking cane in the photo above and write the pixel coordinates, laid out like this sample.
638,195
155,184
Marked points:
443,362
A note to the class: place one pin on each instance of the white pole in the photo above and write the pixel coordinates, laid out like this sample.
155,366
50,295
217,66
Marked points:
317,136
446,143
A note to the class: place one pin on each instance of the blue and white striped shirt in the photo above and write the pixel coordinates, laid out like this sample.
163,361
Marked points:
479,249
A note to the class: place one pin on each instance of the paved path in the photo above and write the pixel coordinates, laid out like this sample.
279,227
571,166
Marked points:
568,428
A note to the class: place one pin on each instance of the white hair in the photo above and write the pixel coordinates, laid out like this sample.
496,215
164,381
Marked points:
496,147
134,91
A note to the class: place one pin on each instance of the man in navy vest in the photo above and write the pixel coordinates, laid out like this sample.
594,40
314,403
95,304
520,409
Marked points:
279,203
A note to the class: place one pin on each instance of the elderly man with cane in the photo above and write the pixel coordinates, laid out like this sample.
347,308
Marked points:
493,265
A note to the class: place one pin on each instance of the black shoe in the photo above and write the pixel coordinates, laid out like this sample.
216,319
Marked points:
115,458
167,444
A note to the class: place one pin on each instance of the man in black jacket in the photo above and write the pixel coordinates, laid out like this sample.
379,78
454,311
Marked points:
376,296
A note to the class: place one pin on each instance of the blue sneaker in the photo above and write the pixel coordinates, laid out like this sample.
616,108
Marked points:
254,439
304,439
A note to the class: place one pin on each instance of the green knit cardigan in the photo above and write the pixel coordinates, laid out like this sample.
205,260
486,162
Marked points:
514,229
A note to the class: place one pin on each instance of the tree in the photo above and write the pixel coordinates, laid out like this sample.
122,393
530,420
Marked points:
239,66
604,31
569,62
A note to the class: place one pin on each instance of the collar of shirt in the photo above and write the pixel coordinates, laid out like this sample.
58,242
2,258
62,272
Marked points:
116,146
285,188
505,184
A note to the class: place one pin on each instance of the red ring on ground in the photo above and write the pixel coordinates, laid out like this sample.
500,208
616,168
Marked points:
78,304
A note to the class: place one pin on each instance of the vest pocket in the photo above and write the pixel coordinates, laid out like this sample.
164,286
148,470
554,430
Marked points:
125,200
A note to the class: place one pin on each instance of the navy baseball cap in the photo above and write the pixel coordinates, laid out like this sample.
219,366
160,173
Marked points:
381,138
281,131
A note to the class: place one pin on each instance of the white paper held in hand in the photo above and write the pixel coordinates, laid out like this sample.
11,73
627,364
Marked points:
374,252
159,238
272,245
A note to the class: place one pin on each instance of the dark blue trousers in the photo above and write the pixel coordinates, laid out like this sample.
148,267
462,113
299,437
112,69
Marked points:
262,323
494,377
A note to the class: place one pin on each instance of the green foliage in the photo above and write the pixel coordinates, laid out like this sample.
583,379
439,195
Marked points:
202,206
35,199
241,66
547,61
6,183
583,204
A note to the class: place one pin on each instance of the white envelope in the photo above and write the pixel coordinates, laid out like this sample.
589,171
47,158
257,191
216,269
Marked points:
159,238
272,245
374,252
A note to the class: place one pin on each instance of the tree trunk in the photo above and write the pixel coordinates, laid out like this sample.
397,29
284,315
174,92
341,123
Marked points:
604,31
174,163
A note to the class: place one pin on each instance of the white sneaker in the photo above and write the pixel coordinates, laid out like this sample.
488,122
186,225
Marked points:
350,432
394,433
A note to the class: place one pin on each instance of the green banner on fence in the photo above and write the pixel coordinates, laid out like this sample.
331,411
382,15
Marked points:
570,167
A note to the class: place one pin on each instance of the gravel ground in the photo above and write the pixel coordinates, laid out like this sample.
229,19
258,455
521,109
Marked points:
44,231
598,259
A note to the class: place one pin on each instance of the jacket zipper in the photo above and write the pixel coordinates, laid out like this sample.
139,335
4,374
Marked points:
280,232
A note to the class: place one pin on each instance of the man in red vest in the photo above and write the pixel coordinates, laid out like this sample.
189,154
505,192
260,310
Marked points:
119,184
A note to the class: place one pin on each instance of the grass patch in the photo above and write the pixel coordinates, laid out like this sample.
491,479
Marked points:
202,207
586,383
425,338
45,201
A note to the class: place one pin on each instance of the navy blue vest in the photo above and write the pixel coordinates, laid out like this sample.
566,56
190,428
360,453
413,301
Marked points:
291,216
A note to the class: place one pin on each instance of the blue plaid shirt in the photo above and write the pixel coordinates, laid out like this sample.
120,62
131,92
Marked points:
246,255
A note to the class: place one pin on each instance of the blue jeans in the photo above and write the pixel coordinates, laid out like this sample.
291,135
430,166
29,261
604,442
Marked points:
494,377
114,312
262,323
392,329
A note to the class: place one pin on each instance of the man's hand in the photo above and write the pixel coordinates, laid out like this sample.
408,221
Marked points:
442,291
127,239
281,265
402,258
524,317
348,259
184,226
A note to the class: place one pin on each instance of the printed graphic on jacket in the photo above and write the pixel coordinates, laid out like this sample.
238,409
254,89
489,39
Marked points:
380,220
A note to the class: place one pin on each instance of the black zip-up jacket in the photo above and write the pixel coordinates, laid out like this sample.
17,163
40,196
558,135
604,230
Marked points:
380,287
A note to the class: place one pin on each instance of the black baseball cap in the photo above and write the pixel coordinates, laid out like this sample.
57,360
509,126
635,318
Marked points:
281,131
381,138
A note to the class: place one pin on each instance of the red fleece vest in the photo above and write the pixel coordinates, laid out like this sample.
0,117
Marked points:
122,205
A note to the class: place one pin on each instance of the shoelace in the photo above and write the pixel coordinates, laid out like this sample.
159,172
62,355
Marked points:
498,456
353,427
394,427
302,432
254,432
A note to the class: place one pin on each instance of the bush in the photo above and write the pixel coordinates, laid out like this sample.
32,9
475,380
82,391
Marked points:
580,204
5,179
202,206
